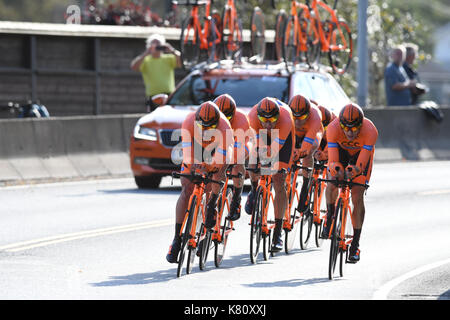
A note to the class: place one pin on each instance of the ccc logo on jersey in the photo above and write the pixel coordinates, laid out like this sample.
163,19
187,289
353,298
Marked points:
351,145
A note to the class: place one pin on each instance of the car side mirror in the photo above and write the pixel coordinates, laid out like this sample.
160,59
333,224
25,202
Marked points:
160,99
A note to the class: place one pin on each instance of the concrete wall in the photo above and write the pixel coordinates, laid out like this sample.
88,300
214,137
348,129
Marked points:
97,146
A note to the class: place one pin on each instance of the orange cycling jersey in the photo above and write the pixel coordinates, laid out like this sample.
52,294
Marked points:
280,139
242,134
359,151
214,146
310,133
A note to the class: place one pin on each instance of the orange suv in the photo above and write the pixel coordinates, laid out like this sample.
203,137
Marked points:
154,150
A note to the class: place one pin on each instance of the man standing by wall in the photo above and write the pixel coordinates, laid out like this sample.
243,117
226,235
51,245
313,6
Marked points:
397,84
157,64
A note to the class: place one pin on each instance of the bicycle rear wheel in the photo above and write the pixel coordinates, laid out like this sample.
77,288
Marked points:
257,36
340,58
256,226
189,44
225,229
185,235
335,239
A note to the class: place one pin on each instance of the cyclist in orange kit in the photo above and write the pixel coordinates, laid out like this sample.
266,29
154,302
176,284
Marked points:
275,133
207,141
308,132
242,133
351,145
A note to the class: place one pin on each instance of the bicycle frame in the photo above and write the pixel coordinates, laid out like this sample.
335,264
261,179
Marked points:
197,27
319,185
199,190
265,183
217,235
326,40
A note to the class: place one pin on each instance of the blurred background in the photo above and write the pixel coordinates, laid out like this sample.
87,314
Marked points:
389,23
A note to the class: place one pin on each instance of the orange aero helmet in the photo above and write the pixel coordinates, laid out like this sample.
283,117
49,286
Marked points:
299,105
268,108
226,104
351,116
207,115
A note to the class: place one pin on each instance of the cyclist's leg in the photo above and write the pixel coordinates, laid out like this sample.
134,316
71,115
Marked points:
238,183
280,205
308,161
211,207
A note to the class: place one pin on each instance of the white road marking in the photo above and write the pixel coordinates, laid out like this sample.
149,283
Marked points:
434,192
41,242
383,292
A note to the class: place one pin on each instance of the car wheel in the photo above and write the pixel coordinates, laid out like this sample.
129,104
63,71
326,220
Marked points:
148,182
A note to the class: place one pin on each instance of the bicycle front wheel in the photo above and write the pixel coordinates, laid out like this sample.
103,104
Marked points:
189,44
256,226
335,239
198,230
185,235
225,229
294,219
307,220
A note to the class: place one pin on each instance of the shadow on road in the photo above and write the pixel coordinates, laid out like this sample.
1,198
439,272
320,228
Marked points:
232,262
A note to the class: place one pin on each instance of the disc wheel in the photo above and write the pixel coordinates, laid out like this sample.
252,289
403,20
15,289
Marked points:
290,45
280,22
257,35
198,230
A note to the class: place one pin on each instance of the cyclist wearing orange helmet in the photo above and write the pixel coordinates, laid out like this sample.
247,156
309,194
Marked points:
240,125
207,142
274,127
308,134
351,145
327,117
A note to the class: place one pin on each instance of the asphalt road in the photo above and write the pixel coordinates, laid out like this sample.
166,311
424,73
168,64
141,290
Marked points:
106,239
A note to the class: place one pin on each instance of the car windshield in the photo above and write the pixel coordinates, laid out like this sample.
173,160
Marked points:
246,91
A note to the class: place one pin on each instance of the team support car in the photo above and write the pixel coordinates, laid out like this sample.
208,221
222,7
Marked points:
153,146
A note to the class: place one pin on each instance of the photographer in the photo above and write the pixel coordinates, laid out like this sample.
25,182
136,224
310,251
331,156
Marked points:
157,64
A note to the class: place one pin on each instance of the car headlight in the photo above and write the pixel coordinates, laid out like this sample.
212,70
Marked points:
145,133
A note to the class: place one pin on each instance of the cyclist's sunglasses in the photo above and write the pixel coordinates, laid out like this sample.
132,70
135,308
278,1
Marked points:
271,119
302,117
345,128
201,126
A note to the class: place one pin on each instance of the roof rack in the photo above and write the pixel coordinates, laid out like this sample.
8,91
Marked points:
249,63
